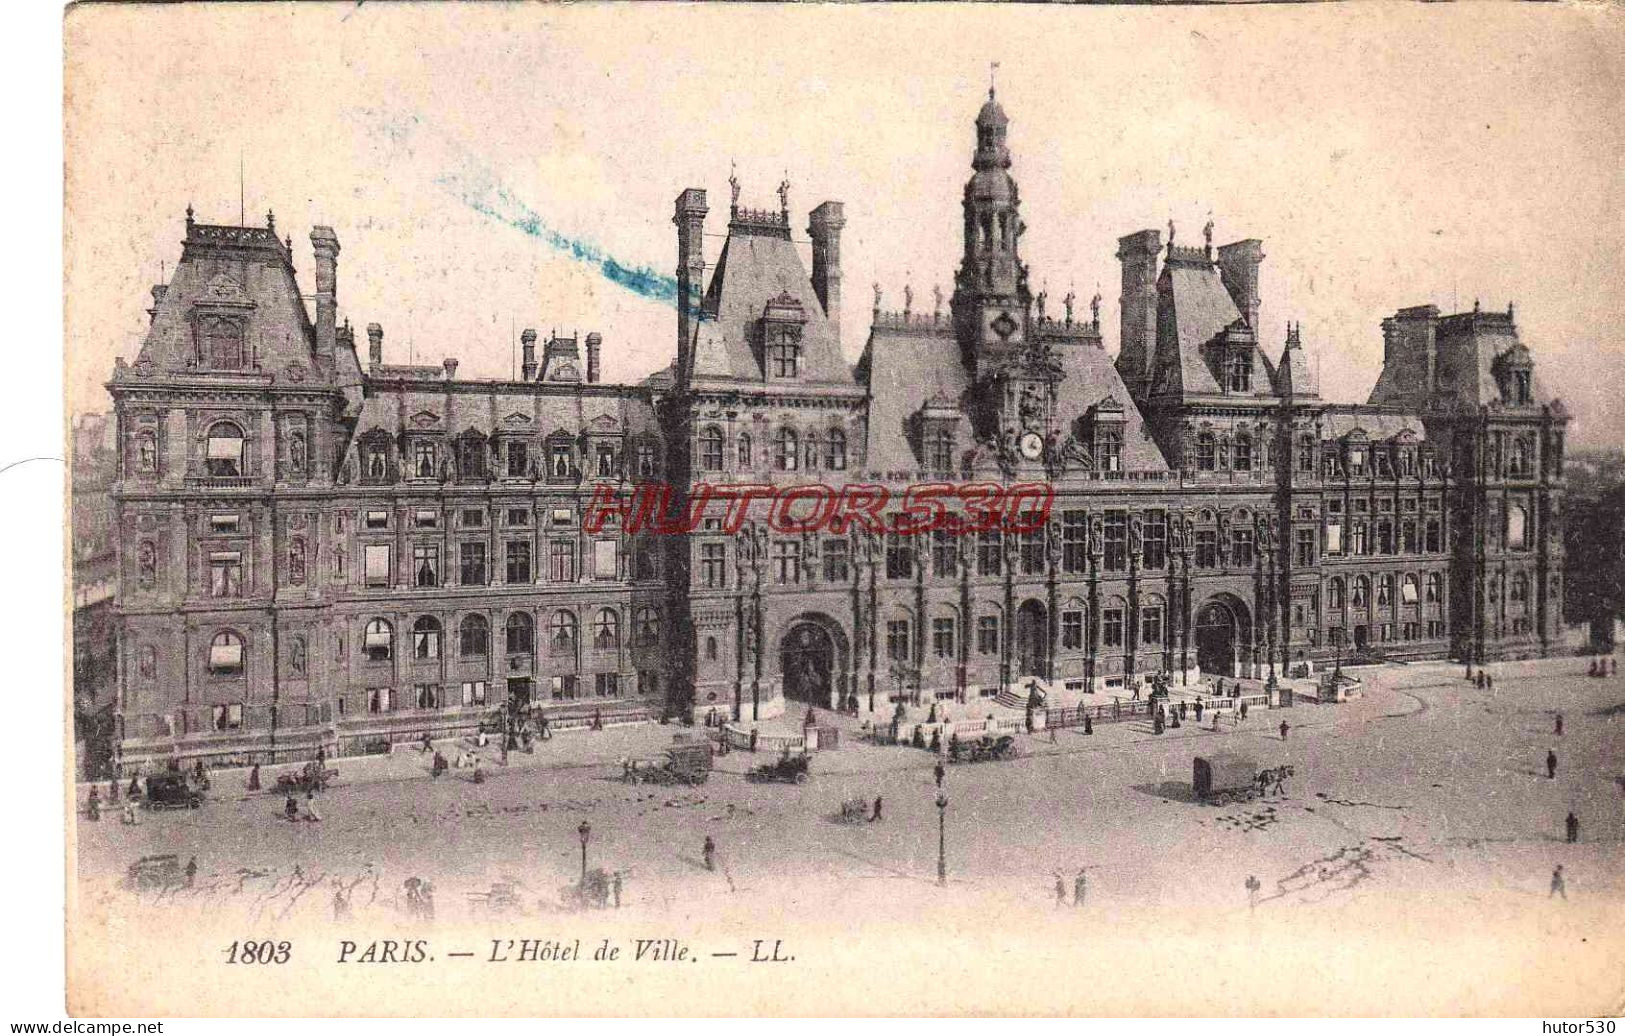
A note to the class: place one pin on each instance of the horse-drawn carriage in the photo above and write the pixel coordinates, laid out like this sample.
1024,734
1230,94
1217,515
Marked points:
982,749
593,891
787,769
682,763
853,811
1224,776
310,777
155,873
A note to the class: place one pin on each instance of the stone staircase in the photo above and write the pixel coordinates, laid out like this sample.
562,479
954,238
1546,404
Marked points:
1014,695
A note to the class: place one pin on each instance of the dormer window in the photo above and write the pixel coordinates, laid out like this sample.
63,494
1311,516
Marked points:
782,322
785,350
1520,388
223,343
1241,372
942,451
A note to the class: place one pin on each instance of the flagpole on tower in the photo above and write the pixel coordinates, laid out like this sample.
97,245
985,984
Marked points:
242,193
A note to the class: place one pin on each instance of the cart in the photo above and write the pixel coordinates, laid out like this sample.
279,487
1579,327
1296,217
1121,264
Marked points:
310,777
172,791
853,811
983,749
788,769
686,763
154,873
1224,776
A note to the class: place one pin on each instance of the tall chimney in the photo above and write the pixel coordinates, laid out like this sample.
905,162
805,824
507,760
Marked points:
824,227
1138,254
690,221
595,344
527,366
326,244
451,368
1238,268
375,345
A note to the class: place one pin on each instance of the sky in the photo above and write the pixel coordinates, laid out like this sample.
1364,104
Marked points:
489,168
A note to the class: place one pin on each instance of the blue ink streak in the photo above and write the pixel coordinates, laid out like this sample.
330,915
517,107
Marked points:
495,201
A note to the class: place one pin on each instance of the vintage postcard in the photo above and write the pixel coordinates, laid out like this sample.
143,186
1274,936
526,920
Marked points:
845,510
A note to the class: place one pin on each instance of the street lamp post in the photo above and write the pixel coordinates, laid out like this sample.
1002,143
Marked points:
585,831
942,838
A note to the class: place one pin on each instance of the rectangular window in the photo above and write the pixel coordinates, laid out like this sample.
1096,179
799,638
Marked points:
377,519
942,638
990,553
228,717
1357,538
987,635
606,559
564,517
225,574
1151,626
899,556
1111,627
519,516
427,695
1334,536
1207,548
1032,553
1156,539
378,699
426,519
1074,542
518,561
1306,546
836,561
713,565
607,685
1385,536
1072,629
473,693
518,460
224,522
426,564
474,518
1407,534
561,561
1116,541
425,644
563,688
944,555
472,567
1241,548
376,557
786,562
897,640
648,683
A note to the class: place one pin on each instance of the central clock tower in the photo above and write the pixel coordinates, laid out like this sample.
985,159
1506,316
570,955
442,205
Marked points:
1013,374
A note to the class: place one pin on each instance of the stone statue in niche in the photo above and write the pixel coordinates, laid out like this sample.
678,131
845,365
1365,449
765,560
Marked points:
148,665
147,565
296,656
296,454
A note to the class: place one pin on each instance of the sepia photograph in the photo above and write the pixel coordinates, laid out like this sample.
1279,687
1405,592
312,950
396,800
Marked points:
843,510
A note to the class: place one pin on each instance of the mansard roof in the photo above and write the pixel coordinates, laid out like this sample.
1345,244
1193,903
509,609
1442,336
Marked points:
757,268
1193,307
453,408
906,368
1092,382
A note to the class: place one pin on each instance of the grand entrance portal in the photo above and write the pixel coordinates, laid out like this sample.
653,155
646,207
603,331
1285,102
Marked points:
810,664
1032,640
1223,635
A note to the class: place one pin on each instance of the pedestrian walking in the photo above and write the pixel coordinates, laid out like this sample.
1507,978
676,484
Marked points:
191,872
1613,667
1060,891
130,816
93,808
1489,681
290,809
1242,712
310,807
1252,886
709,851
1571,826
134,790
426,899
754,735
1481,679
1080,887
1198,712
1088,725
874,817
938,770
112,791
1559,724
1558,887
1284,729
341,903
615,888
254,778
1551,764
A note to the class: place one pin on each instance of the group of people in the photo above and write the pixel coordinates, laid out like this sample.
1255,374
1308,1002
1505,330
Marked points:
1080,888
1603,667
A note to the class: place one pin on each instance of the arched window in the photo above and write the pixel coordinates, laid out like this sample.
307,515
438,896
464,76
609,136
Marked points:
223,344
1362,592
835,450
710,649
474,637
1517,527
786,449
1334,595
520,634
1435,588
646,627
378,641
226,654
606,632
1206,452
563,635
1244,452
1408,589
746,461
224,454
711,449
426,638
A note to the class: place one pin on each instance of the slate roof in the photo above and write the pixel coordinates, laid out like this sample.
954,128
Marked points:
905,370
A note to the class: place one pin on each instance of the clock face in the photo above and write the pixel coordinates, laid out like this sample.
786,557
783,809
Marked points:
1031,445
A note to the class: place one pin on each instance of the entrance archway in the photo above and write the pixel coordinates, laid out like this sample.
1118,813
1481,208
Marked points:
1223,636
812,663
1032,640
